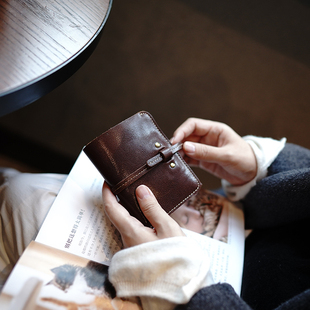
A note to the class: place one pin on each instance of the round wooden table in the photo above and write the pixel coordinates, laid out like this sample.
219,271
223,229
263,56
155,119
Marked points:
42,43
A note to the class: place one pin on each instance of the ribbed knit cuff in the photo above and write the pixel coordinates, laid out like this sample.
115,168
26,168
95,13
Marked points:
172,269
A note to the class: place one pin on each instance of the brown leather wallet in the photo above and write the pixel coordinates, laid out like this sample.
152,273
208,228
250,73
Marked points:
137,152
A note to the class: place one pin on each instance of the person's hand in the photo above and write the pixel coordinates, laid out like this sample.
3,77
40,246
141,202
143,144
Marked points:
133,232
218,149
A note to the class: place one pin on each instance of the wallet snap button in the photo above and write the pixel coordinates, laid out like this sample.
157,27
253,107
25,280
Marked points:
157,144
172,165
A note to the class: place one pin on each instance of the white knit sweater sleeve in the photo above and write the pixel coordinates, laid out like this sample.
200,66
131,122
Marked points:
266,150
162,273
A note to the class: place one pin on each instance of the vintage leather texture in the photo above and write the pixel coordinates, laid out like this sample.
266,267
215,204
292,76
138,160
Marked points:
128,155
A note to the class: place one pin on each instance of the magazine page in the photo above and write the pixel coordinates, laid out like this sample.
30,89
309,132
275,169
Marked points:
46,278
77,224
226,252
217,225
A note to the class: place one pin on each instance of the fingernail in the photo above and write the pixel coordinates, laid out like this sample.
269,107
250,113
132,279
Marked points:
143,192
189,147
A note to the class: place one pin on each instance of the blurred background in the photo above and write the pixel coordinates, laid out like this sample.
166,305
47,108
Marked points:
245,63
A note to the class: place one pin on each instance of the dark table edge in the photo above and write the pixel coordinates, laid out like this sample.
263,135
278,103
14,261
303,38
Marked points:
22,96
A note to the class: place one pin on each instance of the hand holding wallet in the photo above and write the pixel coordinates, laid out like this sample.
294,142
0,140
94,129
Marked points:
137,152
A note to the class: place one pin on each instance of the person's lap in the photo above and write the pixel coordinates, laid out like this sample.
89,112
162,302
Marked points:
25,199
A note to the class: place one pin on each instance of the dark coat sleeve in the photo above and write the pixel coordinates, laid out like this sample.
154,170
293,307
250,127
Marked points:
223,297
217,296
280,198
284,195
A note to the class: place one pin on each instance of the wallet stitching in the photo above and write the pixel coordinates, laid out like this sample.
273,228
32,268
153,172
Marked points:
129,180
156,159
160,131
193,192
180,157
145,168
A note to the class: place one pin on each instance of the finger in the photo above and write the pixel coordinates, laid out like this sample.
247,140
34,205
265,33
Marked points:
164,225
183,131
117,214
193,127
204,152
149,205
191,162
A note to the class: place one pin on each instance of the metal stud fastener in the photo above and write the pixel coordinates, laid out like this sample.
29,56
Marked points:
157,144
172,165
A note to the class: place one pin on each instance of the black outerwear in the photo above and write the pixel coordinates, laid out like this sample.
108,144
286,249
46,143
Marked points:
276,271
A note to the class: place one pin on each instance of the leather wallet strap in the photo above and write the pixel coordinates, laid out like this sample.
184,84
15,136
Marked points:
163,155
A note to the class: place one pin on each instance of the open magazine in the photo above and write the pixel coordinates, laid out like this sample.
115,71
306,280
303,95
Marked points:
66,266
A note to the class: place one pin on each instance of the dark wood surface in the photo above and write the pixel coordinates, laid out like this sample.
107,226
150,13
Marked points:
42,43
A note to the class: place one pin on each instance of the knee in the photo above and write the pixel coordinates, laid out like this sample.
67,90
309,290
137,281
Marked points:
12,184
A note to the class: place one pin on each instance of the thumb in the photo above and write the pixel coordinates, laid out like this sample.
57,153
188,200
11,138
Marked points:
202,152
149,205
165,226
